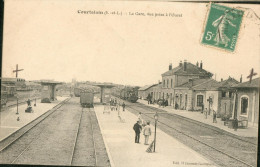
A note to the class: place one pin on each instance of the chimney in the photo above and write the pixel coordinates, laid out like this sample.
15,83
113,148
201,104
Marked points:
197,64
221,79
191,81
170,66
185,65
201,65
241,79
180,64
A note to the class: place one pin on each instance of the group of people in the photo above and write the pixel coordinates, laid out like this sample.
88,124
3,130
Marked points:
160,102
115,105
142,126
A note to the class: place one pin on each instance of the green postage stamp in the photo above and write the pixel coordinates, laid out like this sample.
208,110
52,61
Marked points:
222,27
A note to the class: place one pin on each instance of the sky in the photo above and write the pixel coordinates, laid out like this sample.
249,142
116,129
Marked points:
51,40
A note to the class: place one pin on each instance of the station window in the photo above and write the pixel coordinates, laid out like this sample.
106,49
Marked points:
224,94
171,83
199,100
163,83
244,105
167,83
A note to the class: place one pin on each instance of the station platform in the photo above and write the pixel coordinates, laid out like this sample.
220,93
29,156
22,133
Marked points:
8,117
198,116
123,151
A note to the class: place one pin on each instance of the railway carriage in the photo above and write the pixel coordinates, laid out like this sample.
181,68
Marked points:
77,91
87,97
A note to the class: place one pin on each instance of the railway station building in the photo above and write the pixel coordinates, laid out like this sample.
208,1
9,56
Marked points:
174,77
247,102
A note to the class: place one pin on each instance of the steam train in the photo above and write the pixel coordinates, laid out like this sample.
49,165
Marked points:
128,93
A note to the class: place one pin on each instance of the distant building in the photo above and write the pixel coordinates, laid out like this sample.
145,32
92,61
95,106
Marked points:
10,85
143,92
247,105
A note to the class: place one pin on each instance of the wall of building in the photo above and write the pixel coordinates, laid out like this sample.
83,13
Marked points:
215,99
253,106
169,78
142,94
194,97
181,79
183,99
226,106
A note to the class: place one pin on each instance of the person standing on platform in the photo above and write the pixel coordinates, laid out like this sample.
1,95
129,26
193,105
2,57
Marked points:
29,102
140,119
202,107
214,116
137,128
147,132
123,105
206,113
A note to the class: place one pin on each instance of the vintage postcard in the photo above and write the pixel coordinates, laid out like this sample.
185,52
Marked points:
130,83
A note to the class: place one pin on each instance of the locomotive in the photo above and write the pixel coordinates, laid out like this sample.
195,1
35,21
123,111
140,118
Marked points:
128,93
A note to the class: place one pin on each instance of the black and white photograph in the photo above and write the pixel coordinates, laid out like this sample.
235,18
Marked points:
130,83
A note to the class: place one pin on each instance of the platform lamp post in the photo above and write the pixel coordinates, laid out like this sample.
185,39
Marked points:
17,99
155,119
35,98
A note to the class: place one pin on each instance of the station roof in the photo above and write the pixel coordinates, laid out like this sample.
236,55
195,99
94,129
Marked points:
254,84
210,84
48,82
228,83
146,87
12,80
194,82
31,83
190,70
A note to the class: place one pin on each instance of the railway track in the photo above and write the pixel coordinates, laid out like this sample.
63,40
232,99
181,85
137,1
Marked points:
200,124
7,142
68,131
13,138
86,150
177,127
93,139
